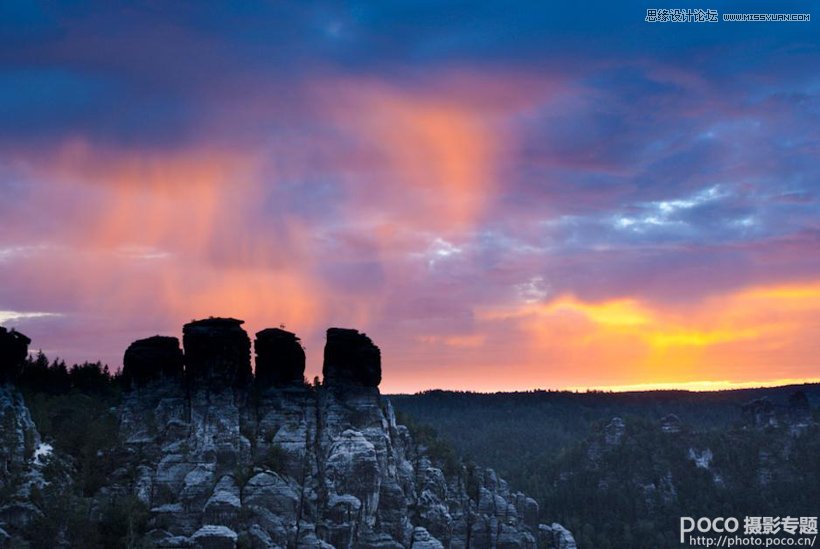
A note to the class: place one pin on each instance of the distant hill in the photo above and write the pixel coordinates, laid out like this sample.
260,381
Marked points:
521,426
619,469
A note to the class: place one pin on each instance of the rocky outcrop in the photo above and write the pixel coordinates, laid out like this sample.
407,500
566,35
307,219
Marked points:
217,352
154,358
556,536
219,463
671,424
290,465
22,457
351,358
280,358
614,431
13,351
20,438
309,467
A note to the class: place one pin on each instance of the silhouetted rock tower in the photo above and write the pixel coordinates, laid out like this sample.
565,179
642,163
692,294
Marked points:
351,358
280,358
157,357
13,351
217,351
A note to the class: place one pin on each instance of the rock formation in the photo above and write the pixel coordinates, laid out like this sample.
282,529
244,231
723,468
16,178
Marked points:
614,431
217,352
300,466
157,357
351,358
280,358
22,457
218,464
19,435
13,351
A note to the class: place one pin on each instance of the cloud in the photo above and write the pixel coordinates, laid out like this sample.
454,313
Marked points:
16,316
577,199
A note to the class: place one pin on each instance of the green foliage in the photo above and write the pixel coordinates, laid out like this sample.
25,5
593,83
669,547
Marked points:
73,410
471,482
275,459
440,451
122,523
82,427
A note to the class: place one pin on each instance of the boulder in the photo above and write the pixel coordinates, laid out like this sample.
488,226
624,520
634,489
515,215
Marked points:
351,358
214,536
157,357
352,468
614,431
272,492
224,505
423,540
13,351
217,351
555,536
280,358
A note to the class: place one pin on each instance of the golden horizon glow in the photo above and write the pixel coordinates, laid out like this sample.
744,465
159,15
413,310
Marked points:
689,386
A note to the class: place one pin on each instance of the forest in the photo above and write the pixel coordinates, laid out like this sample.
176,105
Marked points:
619,469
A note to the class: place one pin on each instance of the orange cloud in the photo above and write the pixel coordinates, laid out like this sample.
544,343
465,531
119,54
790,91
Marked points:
429,159
171,236
760,333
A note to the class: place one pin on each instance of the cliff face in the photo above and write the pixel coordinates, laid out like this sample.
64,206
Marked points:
221,461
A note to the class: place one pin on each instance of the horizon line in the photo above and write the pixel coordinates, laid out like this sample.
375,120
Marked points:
687,386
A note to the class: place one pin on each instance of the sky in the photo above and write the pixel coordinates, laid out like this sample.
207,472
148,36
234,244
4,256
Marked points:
503,195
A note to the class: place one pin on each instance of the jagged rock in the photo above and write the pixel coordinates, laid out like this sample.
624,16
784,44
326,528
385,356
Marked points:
22,459
13,351
529,508
352,469
379,541
351,358
212,536
163,538
555,536
156,357
702,459
614,431
217,351
19,436
423,540
280,358
270,491
759,413
224,505
671,424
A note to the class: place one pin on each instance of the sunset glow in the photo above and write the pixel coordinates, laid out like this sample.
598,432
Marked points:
534,216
